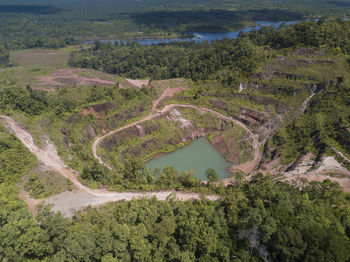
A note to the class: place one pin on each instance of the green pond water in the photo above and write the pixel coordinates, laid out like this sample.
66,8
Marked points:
198,156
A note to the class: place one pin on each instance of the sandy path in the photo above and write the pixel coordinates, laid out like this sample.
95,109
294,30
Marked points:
68,202
305,103
48,155
169,92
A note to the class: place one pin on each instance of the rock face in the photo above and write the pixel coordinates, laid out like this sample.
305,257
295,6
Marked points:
98,110
251,117
219,104
266,130
140,131
90,132
102,122
114,121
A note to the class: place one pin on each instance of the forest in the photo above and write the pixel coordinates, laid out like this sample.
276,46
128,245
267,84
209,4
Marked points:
194,61
254,221
55,24
214,20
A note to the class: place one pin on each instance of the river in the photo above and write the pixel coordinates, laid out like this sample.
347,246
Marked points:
199,155
202,36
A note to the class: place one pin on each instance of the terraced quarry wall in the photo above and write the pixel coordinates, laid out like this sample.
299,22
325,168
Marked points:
174,130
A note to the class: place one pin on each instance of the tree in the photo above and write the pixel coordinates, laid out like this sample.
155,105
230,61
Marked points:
168,177
139,246
188,179
4,56
211,175
134,171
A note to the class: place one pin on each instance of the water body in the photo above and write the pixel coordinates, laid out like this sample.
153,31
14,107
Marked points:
198,156
207,36
201,36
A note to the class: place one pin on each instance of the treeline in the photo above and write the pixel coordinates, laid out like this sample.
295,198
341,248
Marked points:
227,59
40,42
134,175
25,30
29,101
254,221
333,35
14,158
53,25
214,20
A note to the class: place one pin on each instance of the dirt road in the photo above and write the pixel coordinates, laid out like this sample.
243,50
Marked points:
68,202
246,167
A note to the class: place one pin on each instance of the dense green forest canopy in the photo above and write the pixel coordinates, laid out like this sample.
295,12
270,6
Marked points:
195,61
30,9
254,221
53,24
210,20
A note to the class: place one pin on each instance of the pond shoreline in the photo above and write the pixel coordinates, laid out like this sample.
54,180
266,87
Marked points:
198,155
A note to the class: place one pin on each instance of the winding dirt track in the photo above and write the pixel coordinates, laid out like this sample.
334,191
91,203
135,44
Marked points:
246,167
68,202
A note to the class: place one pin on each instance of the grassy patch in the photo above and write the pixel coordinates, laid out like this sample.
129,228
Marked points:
47,183
38,57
